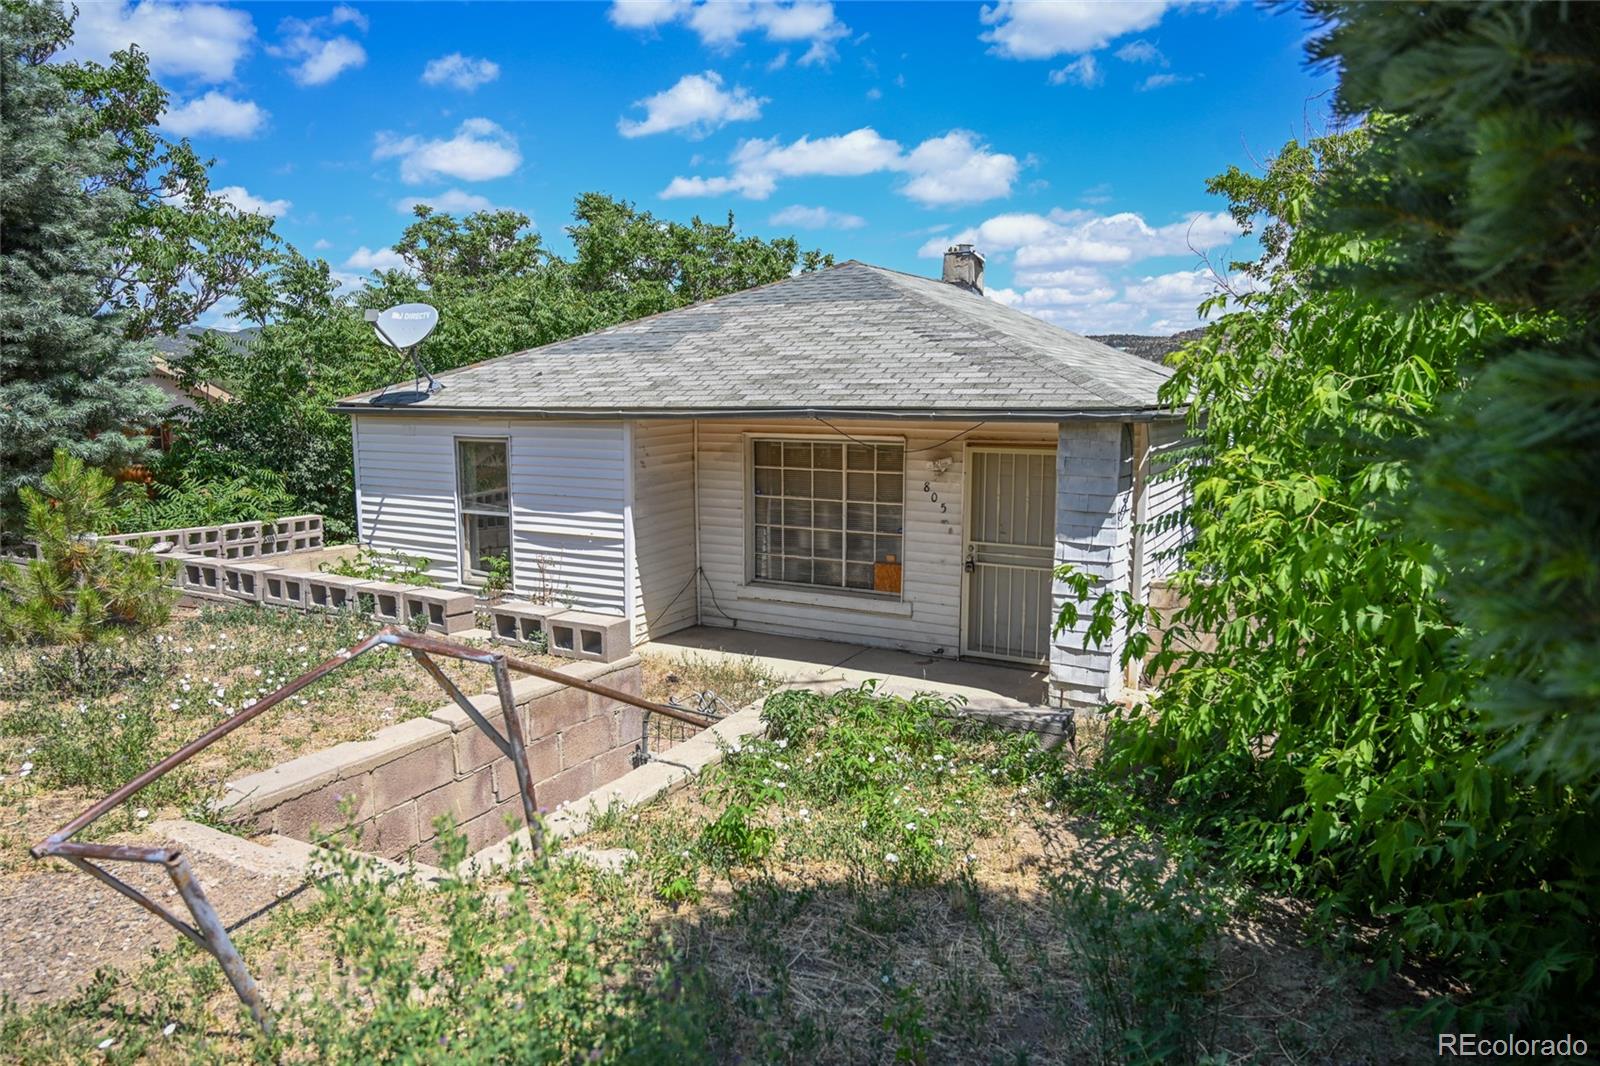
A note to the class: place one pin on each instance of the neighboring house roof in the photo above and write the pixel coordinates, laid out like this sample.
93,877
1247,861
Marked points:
851,339
161,368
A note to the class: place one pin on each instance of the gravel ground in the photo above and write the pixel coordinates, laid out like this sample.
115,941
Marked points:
59,925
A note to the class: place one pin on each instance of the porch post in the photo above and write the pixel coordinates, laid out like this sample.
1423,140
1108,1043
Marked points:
1094,490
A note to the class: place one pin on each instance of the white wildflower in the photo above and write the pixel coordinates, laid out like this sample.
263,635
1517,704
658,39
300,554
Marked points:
911,825
107,1042
142,813
890,857
171,1028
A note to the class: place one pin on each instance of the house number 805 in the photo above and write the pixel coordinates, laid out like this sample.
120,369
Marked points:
933,497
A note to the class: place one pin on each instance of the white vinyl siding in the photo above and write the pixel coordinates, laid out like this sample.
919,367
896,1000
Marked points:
665,596
567,483
926,618
1165,501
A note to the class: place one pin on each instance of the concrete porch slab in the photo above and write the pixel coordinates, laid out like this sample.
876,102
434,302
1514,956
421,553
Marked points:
988,688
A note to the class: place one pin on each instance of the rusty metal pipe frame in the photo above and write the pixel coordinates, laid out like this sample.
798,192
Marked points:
208,932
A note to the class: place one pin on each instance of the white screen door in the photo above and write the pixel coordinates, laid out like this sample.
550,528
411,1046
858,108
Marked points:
1010,549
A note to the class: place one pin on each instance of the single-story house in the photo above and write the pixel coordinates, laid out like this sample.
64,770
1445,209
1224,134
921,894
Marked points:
853,454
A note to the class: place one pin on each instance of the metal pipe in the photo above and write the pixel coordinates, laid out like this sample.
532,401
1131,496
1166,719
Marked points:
519,754
138,897
461,700
217,940
114,852
204,741
524,667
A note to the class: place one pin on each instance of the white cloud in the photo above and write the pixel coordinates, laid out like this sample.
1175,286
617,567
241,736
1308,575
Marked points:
318,52
955,168
1082,71
479,151
1026,29
244,200
462,72
1141,51
205,42
1162,81
697,105
216,115
321,244
452,201
364,258
721,24
1065,237
816,218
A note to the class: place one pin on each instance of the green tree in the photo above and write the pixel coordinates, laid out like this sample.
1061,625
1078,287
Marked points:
1330,741
79,590
69,377
498,290
1487,189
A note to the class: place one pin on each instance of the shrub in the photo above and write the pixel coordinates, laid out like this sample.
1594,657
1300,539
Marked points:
376,565
78,591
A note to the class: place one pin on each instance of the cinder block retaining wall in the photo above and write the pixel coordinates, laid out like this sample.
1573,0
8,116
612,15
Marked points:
407,775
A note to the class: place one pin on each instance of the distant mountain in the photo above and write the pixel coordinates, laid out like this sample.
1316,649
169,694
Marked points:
1154,349
176,347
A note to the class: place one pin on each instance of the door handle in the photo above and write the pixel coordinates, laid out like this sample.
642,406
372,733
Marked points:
971,563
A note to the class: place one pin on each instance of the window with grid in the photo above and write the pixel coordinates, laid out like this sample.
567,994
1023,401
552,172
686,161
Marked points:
829,514
483,489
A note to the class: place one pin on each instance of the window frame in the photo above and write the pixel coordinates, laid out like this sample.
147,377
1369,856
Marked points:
750,440
470,576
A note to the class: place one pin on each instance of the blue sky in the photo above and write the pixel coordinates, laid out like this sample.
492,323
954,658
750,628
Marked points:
1070,141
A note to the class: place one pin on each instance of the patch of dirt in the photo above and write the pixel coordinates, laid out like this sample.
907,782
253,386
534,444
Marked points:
58,925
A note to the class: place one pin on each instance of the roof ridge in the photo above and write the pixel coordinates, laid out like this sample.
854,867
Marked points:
1127,357
1008,342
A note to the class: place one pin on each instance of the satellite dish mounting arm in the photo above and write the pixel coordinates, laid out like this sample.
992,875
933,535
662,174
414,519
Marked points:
376,318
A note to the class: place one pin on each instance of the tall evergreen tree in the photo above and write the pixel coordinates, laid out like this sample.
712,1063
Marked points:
68,377
1486,187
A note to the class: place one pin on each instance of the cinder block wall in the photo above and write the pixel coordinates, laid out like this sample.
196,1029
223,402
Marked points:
406,776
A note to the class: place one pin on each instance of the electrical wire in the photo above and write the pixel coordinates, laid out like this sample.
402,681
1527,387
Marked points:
913,451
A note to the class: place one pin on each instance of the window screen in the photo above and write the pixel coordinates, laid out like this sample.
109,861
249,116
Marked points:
484,489
828,513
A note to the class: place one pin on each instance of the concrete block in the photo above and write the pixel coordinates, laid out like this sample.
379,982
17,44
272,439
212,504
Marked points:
613,765
201,540
557,710
392,833
297,533
286,588
326,809
243,581
596,637
586,741
462,800
474,748
565,787
544,762
447,612
387,601
628,724
388,745
202,576
516,622
333,592
411,775
240,540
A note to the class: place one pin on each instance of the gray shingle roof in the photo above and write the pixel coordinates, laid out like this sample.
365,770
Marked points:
850,339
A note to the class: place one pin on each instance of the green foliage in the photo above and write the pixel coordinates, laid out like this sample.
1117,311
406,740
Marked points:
374,565
179,248
505,978
69,377
1330,741
498,290
497,577
1144,942
190,500
78,590
1484,190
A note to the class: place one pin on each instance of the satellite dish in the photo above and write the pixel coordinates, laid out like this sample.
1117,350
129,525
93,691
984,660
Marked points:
404,326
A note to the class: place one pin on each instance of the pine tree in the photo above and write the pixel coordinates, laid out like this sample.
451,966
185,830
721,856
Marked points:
79,590
68,377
